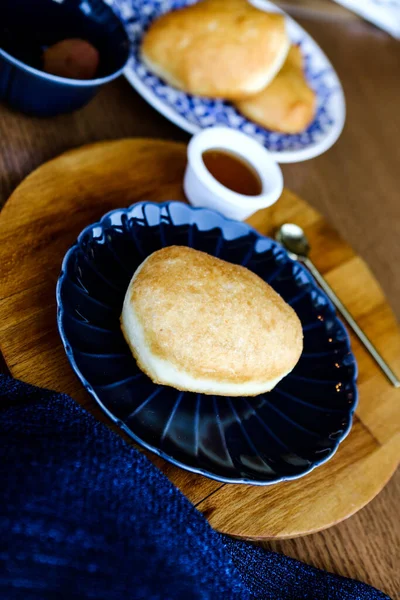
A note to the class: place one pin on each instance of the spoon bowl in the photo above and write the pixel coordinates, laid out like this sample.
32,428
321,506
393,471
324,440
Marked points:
293,238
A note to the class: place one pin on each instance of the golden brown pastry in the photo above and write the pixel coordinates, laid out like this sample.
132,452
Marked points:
287,104
201,324
217,48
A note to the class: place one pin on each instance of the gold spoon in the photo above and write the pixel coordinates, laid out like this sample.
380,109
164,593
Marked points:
295,241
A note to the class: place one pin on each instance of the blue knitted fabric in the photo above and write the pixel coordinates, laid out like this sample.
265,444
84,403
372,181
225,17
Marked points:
83,515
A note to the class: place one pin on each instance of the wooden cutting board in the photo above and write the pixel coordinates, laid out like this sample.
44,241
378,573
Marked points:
42,219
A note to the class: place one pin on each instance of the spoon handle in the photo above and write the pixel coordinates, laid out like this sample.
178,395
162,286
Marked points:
351,322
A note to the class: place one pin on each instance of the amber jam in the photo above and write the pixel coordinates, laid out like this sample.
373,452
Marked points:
233,172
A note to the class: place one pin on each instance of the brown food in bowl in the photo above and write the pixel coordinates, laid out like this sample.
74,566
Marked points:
72,58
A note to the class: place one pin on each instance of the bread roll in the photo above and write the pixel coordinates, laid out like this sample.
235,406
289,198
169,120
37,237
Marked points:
217,48
287,104
198,323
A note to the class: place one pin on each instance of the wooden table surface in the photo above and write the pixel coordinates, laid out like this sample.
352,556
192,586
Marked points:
355,185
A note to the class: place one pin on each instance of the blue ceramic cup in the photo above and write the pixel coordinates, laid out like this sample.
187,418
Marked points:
28,27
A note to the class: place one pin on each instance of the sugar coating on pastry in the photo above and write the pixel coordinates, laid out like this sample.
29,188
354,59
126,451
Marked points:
217,48
198,323
288,103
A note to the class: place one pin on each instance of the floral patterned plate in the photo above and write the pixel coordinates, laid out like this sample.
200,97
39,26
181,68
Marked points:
193,113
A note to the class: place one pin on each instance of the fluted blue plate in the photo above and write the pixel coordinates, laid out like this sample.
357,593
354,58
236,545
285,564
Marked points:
273,437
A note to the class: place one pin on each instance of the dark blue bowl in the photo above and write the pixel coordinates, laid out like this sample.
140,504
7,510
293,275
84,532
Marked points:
276,436
27,27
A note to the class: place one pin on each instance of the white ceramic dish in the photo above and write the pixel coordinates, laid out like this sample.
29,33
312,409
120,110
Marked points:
194,113
202,189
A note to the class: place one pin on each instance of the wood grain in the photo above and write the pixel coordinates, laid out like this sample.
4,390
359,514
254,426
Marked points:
354,185
365,547
316,9
47,212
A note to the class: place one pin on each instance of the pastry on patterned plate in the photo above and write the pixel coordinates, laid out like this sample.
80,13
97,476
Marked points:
217,48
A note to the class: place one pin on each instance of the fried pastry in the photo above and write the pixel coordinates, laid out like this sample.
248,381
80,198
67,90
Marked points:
201,324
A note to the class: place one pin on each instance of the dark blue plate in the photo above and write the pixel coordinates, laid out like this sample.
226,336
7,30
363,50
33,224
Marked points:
276,436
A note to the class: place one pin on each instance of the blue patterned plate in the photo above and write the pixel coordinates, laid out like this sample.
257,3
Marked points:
193,113
276,436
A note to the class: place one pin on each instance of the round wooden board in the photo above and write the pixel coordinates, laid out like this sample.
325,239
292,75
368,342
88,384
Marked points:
42,219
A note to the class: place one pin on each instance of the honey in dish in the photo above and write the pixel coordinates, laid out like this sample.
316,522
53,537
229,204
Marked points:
233,172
